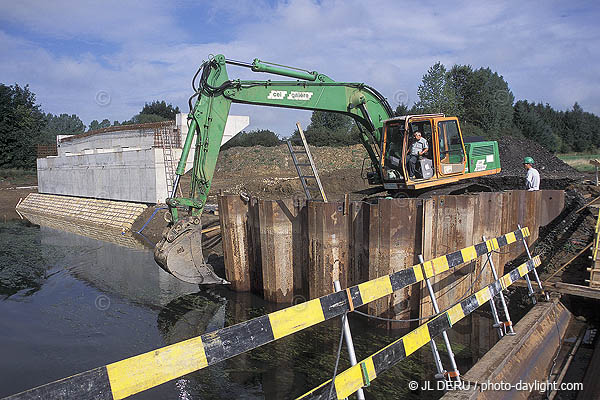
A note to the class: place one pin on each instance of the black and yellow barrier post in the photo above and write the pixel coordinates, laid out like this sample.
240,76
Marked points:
373,366
535,274
127,377
454,373
508,323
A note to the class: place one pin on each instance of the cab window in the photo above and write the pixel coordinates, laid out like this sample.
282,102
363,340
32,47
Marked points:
394,136
451,147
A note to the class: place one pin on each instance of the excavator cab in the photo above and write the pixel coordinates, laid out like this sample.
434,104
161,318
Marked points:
444,161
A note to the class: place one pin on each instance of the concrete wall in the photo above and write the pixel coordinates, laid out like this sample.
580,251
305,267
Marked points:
118,175
120,165
110,214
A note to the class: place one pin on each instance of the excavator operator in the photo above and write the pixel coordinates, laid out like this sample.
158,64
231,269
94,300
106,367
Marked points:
418,148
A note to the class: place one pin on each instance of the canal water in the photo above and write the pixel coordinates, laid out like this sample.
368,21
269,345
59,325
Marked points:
72,299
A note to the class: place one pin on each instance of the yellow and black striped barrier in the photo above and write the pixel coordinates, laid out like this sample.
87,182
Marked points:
136,374
361,374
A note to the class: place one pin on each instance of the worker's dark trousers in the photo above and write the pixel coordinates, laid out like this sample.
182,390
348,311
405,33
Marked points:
412,165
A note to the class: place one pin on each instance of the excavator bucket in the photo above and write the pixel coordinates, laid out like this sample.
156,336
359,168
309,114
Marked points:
180,253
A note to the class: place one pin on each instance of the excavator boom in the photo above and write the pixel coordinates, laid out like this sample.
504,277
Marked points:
180,250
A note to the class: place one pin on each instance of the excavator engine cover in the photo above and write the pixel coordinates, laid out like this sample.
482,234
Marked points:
180,253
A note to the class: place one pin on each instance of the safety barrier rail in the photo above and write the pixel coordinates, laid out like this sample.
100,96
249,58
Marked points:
136,374
361,374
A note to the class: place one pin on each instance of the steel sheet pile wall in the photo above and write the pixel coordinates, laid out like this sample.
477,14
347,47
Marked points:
282,224
289,248
329,237
394,244
234,222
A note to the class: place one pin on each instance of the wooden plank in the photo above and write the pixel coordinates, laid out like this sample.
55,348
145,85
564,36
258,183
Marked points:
575,290
552,205
490,205
256,274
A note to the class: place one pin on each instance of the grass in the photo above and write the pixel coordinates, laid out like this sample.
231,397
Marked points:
579,161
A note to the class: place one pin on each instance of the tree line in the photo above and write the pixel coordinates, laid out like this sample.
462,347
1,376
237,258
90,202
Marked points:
23,124
485,106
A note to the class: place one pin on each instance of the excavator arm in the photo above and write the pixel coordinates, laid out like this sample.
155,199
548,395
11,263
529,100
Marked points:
180,250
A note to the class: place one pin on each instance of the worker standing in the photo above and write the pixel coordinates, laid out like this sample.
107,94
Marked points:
533,176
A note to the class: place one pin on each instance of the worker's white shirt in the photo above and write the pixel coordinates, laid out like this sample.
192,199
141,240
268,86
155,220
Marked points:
533,179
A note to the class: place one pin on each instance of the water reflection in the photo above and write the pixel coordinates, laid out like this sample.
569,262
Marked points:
149,308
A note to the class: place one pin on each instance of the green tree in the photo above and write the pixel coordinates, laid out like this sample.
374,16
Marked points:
160,108
484,100
533,126
94,125
401,110
436,94
460,78
147,118
21,121
63,124
329,129
157,111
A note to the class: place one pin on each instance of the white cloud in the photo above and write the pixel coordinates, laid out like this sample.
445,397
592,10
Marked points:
547,52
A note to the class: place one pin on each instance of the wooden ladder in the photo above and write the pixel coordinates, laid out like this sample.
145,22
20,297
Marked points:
309,162
167,147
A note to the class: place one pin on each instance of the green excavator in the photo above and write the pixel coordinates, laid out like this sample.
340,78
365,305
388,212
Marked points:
385,137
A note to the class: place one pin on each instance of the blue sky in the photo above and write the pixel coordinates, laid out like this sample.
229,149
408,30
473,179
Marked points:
104,59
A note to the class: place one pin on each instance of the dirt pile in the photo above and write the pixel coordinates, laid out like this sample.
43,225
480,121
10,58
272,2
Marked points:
514,149
276,161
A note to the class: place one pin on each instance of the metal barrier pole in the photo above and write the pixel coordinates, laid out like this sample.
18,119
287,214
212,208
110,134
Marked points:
441,375
529,287
501,294
454,373
349,343
497,323
535,274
